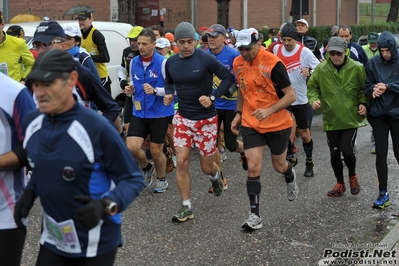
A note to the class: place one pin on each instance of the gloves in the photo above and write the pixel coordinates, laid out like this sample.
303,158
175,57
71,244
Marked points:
23,206
91,213
229,93
123,83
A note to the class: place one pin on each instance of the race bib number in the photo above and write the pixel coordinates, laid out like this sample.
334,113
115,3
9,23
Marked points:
62,235
137,104
4,68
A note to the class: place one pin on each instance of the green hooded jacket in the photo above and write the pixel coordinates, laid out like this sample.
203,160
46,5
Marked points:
340,94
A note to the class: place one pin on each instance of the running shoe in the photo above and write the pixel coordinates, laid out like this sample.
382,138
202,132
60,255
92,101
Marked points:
292,188
292,159
338,190
309,169
382,201
373,151
217,185
354,184
183,214
147,175
252,223
161,186
225,186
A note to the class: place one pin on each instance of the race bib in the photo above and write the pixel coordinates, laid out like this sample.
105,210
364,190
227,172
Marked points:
137,104
4,68
62,235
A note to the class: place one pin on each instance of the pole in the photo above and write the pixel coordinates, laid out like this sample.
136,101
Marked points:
372,12
300,8
245,14
314,13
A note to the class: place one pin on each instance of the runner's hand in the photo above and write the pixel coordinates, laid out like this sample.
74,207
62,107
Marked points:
22,207
90,214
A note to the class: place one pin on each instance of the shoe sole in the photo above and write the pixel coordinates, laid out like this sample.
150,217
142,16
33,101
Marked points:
175,219
334,195
247,227
210,190
160,191
386,204
308,175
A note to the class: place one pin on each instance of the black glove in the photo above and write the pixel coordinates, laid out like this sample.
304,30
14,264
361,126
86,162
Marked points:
91,213
229,93
123,83
23,206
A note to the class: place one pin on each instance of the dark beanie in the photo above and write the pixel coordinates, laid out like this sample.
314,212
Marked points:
289,30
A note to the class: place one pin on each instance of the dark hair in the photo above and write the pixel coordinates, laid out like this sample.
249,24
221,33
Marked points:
15,30
344,27
148,32
160,29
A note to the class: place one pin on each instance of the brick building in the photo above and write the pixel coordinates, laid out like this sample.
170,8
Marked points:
259,12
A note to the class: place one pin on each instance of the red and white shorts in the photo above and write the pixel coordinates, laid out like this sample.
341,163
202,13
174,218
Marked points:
201,134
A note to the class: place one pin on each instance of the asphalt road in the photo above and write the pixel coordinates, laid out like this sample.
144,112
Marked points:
293,233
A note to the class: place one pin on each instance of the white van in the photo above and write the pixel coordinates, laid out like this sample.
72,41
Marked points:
115,36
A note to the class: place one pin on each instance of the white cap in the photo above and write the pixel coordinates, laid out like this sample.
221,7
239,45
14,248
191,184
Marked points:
162,43
72,31
247,37
302,21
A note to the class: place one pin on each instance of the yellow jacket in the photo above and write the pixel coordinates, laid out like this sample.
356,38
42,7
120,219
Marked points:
15,58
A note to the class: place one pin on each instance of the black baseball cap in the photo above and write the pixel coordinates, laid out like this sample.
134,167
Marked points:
84,15
50,65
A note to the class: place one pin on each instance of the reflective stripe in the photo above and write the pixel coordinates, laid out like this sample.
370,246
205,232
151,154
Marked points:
79,134
93,240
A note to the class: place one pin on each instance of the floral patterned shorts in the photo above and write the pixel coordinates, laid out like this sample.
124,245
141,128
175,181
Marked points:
201,134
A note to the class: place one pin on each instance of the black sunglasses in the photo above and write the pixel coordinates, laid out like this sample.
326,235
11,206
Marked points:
335,53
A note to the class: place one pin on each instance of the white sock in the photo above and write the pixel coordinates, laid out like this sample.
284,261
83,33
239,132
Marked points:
187,203
214,178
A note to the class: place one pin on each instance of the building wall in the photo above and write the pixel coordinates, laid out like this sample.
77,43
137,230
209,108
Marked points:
55,9
260,12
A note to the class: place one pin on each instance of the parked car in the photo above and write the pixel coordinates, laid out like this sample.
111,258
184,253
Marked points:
363,39
115,36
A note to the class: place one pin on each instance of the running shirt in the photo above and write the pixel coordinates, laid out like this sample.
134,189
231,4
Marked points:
15,103
226,57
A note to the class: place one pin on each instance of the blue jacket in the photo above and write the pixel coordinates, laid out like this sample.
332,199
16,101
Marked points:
357,53
75,153
148,105
378,70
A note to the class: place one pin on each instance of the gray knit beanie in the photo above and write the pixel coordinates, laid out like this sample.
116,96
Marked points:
288,30
185,30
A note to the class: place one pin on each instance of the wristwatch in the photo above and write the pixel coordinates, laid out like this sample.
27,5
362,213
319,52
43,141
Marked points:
111,208
155,91
212,97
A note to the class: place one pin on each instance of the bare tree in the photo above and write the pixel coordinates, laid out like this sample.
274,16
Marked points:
127,11
393,11
223,12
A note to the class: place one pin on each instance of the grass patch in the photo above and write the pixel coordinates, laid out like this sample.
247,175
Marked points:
381,11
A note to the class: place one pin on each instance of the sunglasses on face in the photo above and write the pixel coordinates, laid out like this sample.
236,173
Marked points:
45,45
335,53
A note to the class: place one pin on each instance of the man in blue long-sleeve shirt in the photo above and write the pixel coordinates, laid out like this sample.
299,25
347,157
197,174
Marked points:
81,170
